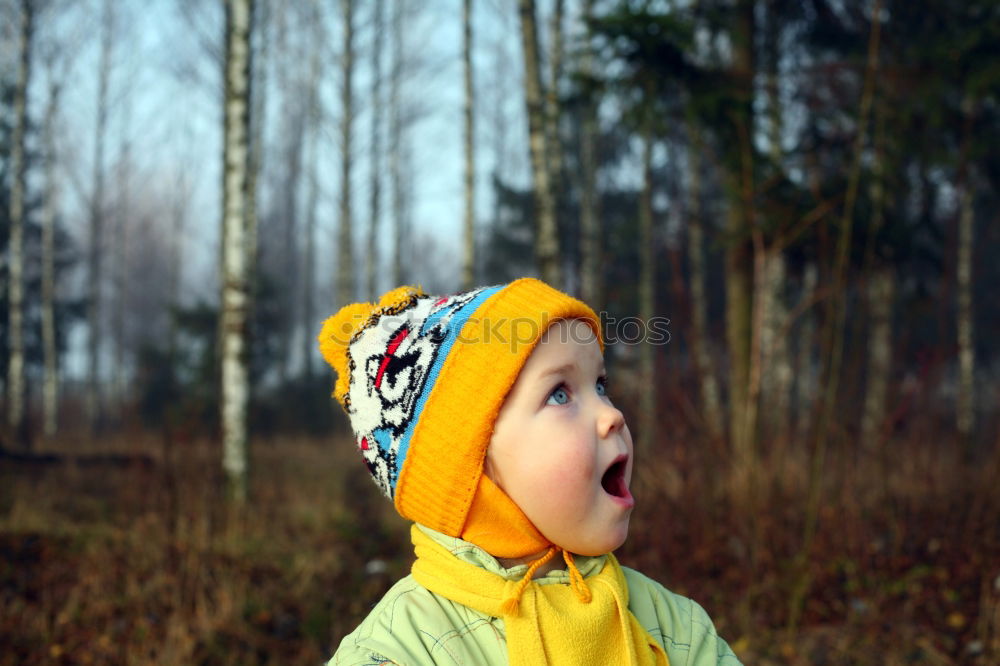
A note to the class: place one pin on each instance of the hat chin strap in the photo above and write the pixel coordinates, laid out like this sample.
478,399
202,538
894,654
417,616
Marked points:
497,525
511,604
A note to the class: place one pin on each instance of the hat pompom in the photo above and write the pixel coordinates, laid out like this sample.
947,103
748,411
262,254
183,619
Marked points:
339,330
336,335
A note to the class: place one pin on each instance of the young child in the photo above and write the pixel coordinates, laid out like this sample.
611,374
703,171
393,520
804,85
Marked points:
484,416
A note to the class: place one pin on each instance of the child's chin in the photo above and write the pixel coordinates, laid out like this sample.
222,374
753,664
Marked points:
621,538
611,543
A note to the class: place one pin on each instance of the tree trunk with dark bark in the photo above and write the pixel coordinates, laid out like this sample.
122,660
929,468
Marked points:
469,235
546,239
590,216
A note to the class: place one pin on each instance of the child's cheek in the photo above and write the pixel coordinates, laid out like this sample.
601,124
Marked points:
583,461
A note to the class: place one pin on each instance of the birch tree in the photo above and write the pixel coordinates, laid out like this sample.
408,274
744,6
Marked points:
966,349
97,211
345,253
376,149
963,269
15,367
776,370
547,240
233,329
469,245
880,294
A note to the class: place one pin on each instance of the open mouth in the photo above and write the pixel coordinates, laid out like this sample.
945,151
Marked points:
613,480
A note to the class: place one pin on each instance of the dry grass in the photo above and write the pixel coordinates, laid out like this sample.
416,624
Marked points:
904,568
141,563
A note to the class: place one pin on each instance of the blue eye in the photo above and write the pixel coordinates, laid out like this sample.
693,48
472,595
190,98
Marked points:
560,396
602,387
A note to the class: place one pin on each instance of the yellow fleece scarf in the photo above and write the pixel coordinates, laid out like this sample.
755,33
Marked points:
585,623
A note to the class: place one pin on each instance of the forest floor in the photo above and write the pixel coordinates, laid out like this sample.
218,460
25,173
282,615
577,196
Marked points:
133,558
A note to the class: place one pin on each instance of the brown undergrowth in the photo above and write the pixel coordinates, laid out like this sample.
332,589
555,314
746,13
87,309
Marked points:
119,562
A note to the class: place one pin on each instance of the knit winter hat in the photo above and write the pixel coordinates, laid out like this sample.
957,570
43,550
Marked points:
423,378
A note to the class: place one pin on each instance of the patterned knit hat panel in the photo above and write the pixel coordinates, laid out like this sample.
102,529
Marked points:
393,365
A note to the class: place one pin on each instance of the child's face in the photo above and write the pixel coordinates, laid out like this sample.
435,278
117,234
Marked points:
560,450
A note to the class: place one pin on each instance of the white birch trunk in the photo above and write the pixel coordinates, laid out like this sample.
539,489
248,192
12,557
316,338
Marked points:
776,379
776,368
15,367
372,258
881,294
345,253
469,246
547,240
235,388
94,299
966,349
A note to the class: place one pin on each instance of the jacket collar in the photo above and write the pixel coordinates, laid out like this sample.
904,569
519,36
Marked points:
473,554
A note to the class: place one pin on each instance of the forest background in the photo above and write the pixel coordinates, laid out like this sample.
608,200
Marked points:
806,190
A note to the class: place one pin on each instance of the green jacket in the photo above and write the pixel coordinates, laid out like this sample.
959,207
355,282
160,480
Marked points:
412,626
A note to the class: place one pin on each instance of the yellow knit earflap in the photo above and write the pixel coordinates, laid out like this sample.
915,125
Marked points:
339,330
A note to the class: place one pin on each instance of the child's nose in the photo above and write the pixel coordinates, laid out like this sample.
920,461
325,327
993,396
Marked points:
609,420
